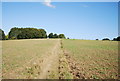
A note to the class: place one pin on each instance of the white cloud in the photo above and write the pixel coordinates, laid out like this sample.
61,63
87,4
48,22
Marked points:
48,3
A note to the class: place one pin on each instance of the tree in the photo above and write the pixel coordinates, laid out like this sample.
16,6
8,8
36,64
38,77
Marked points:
43,32
118,38
105,39
50,35
61,36
2,35
114,39
14,32
26,33
55,36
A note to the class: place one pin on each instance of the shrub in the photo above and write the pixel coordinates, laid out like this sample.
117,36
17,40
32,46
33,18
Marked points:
105,39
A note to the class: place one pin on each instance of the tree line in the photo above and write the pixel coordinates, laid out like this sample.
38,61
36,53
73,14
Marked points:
27,33
114,39
51,35
34,33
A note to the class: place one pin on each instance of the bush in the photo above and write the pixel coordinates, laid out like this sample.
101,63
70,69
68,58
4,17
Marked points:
105,39
6,37
13,38
61,36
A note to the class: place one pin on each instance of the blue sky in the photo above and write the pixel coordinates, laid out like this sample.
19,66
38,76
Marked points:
79,20
60,0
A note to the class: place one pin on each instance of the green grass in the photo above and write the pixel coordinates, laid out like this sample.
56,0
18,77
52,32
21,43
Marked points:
98,58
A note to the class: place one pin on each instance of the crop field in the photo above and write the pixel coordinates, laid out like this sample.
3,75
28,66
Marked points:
23,58
59,59
92,59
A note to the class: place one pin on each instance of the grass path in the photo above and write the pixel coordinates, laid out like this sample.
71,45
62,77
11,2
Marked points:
49,61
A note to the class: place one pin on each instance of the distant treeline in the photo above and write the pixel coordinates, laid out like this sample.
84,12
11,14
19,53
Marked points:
114,39
51,35
34,33
27,33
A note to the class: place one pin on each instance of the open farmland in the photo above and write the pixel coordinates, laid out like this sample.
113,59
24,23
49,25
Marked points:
59,59
92,59
26,58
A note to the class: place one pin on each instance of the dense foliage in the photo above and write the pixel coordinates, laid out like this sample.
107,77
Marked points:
26,33
33,33
61,36
2,35
105,39
51,35
116,39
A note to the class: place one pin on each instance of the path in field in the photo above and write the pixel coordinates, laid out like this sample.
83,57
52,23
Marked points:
66,62
67,66
38,67
54,64
49,61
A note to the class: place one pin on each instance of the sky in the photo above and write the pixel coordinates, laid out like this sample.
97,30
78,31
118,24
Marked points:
60,0
77,20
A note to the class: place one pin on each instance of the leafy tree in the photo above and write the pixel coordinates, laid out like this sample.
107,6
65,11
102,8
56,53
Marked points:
27,33
14,33
2,35
55,36
61,36
105,39
43,32
114,39
50,35
118,38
